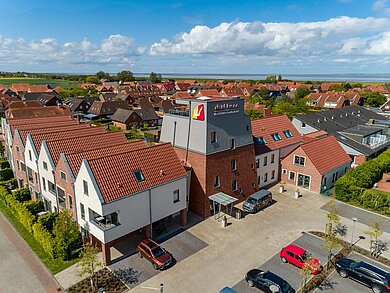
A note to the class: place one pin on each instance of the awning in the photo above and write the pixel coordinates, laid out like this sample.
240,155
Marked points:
89,116
222,199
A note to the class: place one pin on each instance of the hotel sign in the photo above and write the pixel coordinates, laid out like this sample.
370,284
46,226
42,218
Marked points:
198,112
222,109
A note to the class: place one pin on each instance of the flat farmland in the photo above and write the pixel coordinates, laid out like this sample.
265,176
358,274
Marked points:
7,81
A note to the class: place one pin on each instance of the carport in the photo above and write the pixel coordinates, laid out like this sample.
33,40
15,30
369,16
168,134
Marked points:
222,199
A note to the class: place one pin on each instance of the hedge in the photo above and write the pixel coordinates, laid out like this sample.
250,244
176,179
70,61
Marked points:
22,194
48,220
11,184
355,186
44,237
34,206
6,174
4,163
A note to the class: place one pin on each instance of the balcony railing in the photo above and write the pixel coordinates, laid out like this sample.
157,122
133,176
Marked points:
103,224
179,113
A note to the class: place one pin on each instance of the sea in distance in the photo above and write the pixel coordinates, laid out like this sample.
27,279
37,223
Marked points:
353,77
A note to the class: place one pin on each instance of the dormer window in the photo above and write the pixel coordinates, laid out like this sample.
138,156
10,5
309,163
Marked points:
260,140
139,175
276,136
288,133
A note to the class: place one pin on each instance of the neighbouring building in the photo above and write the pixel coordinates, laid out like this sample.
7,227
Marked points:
316,164
213,135
127,119
274,138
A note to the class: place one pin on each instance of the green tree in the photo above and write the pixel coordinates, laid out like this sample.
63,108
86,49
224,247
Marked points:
92,79
357,85
67,236
280,78
155,77
125,75
332,217
331,243
374,99
89,263
102,74
301,93
285,108
254,114
336,88
375,230
271,79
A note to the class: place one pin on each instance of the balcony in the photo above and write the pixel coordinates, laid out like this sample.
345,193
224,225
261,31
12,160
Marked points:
105,222
179,113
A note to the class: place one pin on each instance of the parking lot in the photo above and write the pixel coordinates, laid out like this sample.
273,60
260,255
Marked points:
336,284
181,246
287,271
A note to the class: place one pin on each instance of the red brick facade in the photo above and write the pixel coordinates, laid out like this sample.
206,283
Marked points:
66,185
206,168
17,151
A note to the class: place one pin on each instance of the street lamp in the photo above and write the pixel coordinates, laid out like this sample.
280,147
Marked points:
353,229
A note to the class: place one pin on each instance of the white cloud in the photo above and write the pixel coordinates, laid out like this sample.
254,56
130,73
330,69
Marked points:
379,4
116,49
333,36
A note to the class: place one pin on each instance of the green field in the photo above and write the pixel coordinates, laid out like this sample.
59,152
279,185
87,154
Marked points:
61,82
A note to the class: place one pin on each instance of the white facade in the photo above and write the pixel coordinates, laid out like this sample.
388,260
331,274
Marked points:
133,212
267,168
46,172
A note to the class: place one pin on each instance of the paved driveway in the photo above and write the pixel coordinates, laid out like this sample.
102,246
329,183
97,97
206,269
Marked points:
180,246
20,269
290,273
336,284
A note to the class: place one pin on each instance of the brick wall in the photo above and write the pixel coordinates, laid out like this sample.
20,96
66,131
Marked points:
123,126
19,156
67,185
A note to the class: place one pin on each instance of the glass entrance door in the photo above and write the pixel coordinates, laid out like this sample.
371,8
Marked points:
303,181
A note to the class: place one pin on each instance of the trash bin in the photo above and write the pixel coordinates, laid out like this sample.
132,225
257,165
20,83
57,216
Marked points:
238,214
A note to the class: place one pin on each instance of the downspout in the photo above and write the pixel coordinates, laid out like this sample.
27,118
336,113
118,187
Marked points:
150,213
174,133
188,135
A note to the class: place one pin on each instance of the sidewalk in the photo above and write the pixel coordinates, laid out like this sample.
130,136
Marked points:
21,270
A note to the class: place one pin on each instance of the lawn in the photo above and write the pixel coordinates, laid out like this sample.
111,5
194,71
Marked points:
7,81
54,265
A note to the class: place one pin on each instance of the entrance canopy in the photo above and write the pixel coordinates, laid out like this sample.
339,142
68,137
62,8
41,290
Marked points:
222,199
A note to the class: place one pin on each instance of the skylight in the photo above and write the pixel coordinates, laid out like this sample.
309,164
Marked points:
260,140
276,136
288,133
139,175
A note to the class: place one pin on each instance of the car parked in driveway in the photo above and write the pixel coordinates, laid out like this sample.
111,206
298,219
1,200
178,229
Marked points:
257,201
158,256
371,276
300,257
267,282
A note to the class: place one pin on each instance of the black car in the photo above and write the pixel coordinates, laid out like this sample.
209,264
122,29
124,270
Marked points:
268,282
371,276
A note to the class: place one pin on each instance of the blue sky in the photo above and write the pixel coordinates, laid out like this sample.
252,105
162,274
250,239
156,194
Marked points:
333,36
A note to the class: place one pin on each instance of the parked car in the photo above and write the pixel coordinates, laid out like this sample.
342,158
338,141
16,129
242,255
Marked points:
158,256
371,276
300,257
267,282
257,201
227,290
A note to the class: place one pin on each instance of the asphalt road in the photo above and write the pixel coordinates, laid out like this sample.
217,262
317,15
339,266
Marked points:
336,284
180,246
287,271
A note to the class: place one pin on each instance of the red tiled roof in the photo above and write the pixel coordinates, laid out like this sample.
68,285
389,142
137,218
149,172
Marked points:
75,159
37,112
325,153
209,92
89,141
48,124
39,88
29,121
264,127
233,91
114,173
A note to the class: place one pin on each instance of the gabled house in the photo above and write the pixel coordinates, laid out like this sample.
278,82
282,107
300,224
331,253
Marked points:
274,138
105,109
78,105
119,194
232,92
127,119
316,164
45,99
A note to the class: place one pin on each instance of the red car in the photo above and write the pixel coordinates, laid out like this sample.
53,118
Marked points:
300,257
158,256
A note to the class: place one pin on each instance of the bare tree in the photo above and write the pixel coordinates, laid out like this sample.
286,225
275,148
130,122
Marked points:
332,217
331,243
374,231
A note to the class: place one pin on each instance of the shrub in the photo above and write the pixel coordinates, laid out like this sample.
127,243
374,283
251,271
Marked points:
149,136
133,134
34,206
3,192
22,194
10,184
48,220
44,237
4,163
6,174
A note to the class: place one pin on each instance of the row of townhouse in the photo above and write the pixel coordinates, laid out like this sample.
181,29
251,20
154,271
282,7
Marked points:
112,187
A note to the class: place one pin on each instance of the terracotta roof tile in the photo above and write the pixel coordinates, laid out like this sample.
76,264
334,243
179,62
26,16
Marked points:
114,173
264,127
325,153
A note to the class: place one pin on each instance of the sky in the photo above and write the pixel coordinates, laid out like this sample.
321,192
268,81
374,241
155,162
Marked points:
225,37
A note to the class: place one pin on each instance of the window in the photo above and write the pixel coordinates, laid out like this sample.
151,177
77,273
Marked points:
345,170
216,181
233,165
290,254
258,163
70,202
253,184
288,133
85,187
29,155
284,171
44,183
176,196
333,177
63,176
337,175
18,164
252,166
234,185
303,125
139,176
45,166
213,136
258,180
82,211
299,161
36,178
272,158
23,167
276,136
265,177
30,175
260,140
232,143
325,180
247,128
273,174
52,187
265,161
291,176
17,149
61,197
